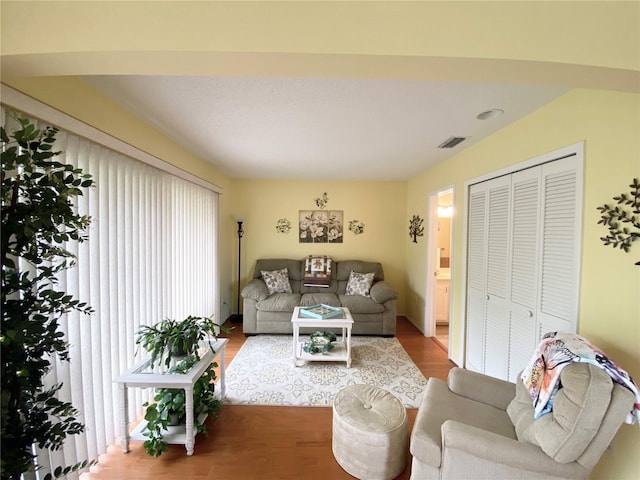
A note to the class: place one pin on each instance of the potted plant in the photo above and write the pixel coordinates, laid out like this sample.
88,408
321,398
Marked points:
320,342
171,338
178,341
39,224
168,407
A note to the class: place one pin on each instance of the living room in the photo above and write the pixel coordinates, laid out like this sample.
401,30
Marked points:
588,47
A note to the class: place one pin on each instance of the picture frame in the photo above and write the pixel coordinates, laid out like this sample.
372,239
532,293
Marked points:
321,226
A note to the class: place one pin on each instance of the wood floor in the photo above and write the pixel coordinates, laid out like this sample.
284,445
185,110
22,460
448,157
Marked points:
249,442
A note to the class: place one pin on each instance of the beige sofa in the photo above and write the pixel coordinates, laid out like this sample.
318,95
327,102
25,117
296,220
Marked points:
475,426
264,313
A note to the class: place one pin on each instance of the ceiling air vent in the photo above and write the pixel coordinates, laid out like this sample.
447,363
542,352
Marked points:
452,142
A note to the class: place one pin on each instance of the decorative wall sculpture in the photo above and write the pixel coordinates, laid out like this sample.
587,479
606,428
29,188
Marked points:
415,228
322,201
623,219
283,225
356,227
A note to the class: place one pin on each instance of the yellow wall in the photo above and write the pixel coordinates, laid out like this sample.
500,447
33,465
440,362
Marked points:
379,205
468,29
609,312
586,44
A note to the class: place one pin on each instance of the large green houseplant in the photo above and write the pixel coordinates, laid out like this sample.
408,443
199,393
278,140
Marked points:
38,220
174,345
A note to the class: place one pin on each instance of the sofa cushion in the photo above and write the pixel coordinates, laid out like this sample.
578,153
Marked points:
279,302
359,284
344,269
294,268
277,281
381,292
578,410
309,299
358,304
255,290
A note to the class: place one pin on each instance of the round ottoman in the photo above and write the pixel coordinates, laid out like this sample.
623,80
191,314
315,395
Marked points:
369,432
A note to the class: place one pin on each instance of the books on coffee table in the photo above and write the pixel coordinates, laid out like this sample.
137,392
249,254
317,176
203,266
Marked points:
321,311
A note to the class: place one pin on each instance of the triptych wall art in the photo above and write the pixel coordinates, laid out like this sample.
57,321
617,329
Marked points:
320,226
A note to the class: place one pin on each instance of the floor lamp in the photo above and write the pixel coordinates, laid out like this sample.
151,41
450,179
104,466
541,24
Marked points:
237,318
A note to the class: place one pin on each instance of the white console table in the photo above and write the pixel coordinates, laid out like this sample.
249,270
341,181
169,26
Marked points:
142,376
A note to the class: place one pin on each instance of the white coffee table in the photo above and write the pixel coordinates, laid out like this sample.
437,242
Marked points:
342,350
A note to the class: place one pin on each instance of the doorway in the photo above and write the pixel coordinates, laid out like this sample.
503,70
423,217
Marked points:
440,272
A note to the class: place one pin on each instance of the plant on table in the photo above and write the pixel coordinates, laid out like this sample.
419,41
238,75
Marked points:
170,402
320,342
171,341
171,338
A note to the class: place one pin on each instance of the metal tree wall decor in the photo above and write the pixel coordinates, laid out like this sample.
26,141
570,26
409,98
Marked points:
622,219
415,228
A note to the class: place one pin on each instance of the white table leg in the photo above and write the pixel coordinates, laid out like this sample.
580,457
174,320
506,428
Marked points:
223,384
124,418
348,347
189,430
296,334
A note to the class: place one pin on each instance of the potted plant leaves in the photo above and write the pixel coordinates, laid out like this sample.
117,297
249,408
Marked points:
171,338
320,342
174,345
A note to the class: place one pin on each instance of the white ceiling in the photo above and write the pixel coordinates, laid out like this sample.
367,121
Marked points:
320,128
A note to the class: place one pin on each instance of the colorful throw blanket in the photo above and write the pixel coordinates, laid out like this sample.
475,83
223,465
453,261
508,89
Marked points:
555,351
317,271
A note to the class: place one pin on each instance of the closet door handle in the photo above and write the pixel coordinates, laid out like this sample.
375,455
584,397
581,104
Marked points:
487,296
530,314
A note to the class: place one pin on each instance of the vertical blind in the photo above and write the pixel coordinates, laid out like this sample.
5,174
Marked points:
150,254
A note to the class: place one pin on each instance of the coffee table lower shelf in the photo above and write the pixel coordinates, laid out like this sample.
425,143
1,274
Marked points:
342,350
173,435
337,354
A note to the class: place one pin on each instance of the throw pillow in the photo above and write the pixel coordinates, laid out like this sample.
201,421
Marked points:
359,283
277,281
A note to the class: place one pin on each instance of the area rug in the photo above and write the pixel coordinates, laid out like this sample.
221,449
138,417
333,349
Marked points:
263,373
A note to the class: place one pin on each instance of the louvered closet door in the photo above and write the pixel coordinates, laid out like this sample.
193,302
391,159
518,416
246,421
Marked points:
476,276
559,269
496,333
523,255
523,269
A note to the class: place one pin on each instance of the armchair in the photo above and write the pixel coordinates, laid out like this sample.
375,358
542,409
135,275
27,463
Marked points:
475,426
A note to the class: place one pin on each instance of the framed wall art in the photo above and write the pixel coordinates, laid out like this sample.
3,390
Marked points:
321,226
